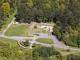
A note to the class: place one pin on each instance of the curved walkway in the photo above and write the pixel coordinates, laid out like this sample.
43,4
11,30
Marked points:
56,42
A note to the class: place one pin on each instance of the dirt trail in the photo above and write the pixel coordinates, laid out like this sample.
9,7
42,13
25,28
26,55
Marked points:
9,25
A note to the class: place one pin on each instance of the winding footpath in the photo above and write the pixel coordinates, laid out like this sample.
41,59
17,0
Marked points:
9,25
56,42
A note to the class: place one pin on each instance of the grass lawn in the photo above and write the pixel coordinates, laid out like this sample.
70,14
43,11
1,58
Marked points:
45,40
18,30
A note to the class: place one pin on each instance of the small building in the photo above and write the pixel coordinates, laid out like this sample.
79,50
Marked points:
46,26
15,22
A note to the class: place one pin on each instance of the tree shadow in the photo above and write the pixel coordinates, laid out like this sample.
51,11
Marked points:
45,51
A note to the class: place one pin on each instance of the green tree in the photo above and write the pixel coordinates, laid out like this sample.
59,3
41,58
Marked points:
6,8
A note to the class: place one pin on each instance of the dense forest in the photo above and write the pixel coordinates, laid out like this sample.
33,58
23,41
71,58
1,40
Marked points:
64,13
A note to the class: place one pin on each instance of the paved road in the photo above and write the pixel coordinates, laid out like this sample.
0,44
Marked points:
17,38
56,42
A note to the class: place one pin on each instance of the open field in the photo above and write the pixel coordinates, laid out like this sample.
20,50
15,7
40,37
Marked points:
17,30
23,30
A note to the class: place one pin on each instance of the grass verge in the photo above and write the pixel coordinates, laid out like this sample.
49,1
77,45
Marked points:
45,40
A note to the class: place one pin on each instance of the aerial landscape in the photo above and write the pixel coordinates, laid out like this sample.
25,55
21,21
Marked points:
39,29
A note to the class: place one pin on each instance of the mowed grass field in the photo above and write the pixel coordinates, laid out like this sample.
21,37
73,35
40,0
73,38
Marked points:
18,30
45,40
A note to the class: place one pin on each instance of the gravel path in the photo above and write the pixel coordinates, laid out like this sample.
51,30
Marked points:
9,25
